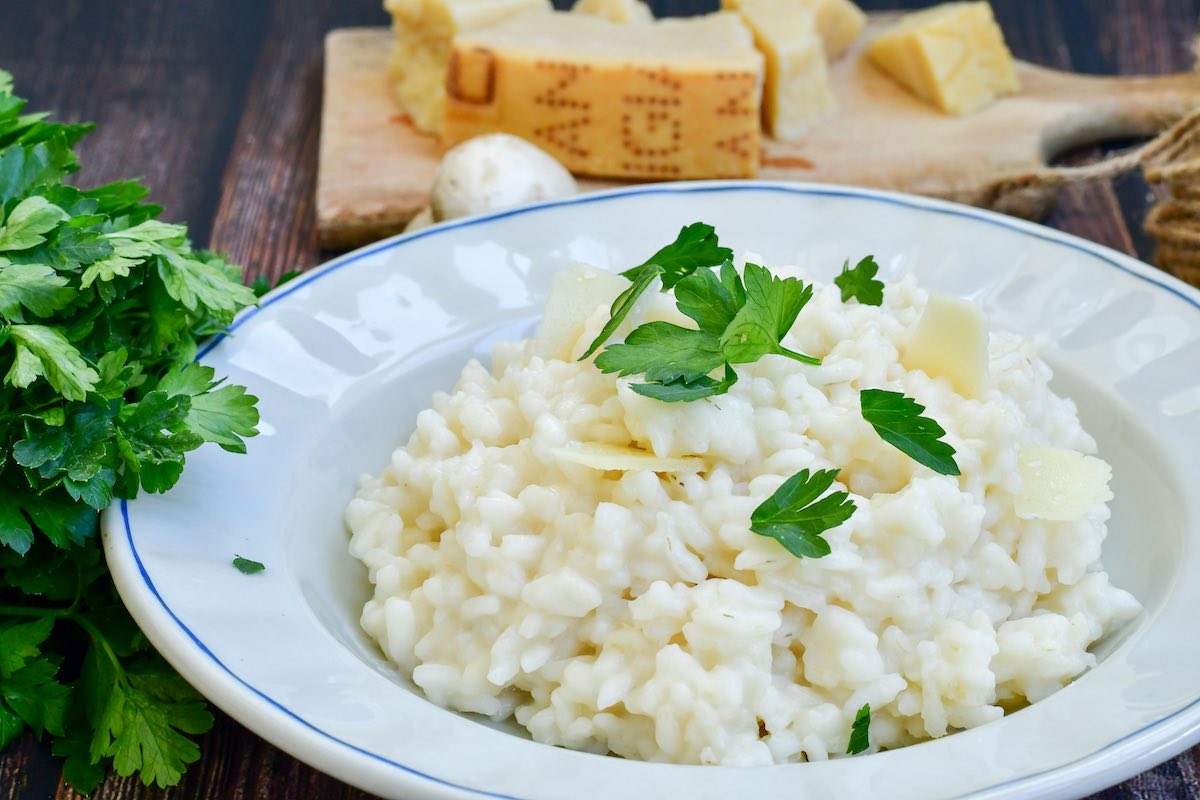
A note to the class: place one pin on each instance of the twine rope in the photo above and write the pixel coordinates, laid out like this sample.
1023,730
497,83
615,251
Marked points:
1170,163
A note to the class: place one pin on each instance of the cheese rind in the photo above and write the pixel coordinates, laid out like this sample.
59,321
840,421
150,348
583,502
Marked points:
952,56
424,30
677,98
839,22
622,12
796,92
951,341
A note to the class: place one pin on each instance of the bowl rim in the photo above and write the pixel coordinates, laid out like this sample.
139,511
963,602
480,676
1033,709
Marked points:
273,720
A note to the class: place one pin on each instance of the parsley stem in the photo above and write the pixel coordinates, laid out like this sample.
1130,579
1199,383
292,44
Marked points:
99,640
803,359
22,611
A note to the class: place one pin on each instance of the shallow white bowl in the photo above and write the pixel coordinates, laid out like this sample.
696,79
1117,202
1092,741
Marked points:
344,357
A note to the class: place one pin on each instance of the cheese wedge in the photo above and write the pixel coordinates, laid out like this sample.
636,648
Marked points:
839,22
623,12
1060,484
575,294
612,457
952,56
676,98
951,341
796,92
424,29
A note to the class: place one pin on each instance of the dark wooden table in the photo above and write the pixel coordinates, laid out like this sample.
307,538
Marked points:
216,104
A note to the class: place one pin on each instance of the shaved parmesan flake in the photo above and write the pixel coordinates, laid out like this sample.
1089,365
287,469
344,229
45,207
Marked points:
951,342
1059,484
575,294
625,459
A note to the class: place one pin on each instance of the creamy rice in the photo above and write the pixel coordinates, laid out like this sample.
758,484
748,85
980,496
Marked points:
636,613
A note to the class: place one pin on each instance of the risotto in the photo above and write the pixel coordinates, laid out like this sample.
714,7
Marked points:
552,545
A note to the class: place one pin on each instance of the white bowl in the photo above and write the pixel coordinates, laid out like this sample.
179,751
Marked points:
344,357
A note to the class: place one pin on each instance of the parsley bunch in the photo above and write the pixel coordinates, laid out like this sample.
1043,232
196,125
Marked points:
101,309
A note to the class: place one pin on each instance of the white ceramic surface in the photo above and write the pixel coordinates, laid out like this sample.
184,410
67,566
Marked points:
345,356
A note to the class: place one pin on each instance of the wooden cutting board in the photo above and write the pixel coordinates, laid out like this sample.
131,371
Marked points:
375,169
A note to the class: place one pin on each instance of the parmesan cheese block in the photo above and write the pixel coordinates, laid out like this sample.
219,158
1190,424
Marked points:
796,92
624,12
839,22
676,98
1060,484
951,341
423,30
952,55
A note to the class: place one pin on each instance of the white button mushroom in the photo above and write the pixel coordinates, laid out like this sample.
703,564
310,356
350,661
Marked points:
494,172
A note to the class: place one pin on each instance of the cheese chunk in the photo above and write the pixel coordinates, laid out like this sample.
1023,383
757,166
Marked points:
624,12
1059,484
951,55
796,92
611,457
424,29
676,98
839,22
575,294
951,341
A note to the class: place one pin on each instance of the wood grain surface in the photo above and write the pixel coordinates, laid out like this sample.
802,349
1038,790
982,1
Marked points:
216,104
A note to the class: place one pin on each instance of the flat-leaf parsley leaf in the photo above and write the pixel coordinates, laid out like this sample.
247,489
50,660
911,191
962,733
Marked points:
898,421
794,517
694,248
248,567
860,731
860,284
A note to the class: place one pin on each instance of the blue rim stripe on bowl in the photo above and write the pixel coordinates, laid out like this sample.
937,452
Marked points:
1159,280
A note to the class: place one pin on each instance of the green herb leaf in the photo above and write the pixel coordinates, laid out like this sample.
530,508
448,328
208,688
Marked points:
248,567
695,247
898,421
860,739
29,220
20,642
220,415
15,531
711,301
143,724
34,694
35,287
860,284
45,352
679,391
664,352
771,307
795,518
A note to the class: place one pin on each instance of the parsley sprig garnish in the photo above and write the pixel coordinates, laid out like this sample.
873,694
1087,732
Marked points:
740,319
794,517
695,247
860,284
898,421
860,731
101,309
